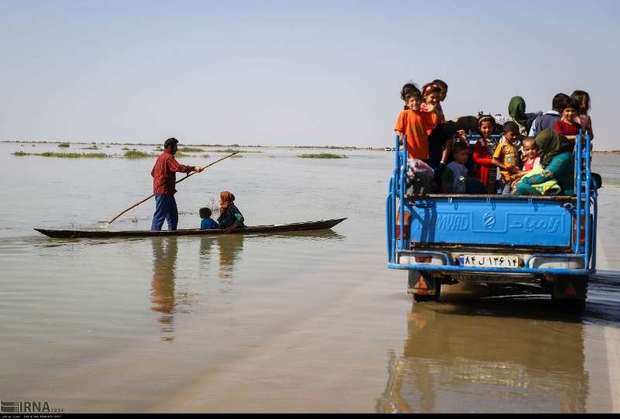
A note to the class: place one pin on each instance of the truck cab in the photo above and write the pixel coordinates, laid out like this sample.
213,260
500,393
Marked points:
545,242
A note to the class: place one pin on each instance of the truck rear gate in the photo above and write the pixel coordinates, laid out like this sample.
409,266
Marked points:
467,236
496,219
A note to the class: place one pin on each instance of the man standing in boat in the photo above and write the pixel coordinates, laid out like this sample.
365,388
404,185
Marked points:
164,178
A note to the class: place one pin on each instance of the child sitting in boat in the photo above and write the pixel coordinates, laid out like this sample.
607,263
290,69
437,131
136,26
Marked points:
230,217
207,223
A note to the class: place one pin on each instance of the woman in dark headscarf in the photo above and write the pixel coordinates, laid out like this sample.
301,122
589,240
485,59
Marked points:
557,162
516,110
230,217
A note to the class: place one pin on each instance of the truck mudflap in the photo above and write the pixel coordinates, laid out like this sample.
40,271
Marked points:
569,288
421,284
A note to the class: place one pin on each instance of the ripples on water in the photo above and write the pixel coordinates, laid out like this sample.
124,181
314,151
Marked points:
297,321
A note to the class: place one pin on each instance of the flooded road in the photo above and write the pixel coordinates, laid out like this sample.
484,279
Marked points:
292,322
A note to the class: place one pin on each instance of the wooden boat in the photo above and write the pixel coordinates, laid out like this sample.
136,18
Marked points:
273,228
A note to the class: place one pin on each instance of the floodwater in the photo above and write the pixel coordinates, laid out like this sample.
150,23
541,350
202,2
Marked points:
294,322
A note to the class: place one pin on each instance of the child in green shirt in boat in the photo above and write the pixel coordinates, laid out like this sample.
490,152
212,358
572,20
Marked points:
230,217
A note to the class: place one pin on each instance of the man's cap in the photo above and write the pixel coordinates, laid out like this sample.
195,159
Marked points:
170,141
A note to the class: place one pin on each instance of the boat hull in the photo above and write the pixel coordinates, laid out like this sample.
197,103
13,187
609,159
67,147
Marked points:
275,228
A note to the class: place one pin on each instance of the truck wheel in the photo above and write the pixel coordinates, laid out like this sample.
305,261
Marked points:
570,292
423,286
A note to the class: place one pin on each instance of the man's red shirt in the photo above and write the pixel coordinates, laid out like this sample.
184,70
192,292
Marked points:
163,173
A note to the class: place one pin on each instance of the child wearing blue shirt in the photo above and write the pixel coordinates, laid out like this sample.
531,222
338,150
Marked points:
207,222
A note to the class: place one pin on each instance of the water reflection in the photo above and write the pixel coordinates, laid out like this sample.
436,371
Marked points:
163,298
230,247
229,250
476,359
230,253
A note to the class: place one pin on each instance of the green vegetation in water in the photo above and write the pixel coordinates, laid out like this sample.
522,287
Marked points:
180,154
190,150
136,154
232,150
64,155
64,145
322,156
92,147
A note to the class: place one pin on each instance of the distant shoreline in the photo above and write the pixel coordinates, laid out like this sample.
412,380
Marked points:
331,147
327,147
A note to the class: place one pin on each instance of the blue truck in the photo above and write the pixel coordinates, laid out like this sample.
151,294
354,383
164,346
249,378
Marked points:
545,242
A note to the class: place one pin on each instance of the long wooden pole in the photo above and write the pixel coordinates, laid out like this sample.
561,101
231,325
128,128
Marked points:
178,181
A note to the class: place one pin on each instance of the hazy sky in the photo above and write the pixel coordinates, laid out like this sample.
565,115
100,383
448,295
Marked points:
291,72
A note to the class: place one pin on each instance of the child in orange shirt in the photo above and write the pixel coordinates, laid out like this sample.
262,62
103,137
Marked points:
408,90
415,126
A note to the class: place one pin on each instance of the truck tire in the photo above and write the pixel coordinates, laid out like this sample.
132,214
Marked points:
431,284
569,292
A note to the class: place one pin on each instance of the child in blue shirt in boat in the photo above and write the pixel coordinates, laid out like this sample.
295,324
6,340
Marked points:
207,222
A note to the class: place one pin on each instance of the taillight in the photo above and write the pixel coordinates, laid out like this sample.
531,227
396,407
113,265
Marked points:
582,229
406,220
423,259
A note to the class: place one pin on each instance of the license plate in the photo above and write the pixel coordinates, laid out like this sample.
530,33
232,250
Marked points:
490,261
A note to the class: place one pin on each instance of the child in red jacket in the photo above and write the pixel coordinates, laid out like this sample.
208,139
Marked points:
485,170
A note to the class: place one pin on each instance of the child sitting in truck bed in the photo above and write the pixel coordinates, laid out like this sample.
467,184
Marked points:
431,96
557,166
506,156
485,170
415,126
582,98
530,158
567,126
455,178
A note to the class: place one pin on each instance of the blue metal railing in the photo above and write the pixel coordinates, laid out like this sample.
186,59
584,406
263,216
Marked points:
396,190
578,192
402,186
586,199
588,192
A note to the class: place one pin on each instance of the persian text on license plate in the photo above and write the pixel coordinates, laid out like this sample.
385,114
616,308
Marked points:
490,261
